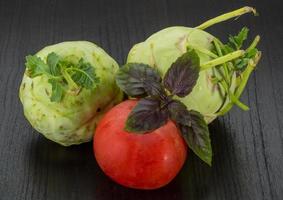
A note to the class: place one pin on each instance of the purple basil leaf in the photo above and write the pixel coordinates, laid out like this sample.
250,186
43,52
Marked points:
197,136
182,76
178,112
146,116
137,79
155,89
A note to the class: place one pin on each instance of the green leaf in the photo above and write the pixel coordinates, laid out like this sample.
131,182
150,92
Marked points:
84,75
227,49
52,61
197,137
36,66
62,74
57,90
237,41
182,76
137,80
146,116
251,53
241,63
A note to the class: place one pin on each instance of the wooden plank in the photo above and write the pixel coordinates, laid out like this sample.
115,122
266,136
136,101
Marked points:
248,146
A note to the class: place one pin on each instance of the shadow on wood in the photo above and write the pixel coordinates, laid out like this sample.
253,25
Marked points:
58,170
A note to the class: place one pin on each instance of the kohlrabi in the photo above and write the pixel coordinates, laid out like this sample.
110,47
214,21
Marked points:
67,88
225,67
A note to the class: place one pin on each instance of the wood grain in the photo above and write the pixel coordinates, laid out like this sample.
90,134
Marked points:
248,146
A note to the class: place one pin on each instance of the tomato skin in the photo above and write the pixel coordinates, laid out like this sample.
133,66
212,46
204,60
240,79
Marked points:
141,161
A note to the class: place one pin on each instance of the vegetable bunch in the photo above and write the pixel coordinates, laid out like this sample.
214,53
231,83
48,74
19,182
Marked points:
159,105
204,81
179,80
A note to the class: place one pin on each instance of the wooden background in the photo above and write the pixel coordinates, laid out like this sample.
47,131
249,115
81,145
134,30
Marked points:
248,146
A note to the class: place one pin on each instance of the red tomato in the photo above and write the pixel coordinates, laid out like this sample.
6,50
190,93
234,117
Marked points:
142,161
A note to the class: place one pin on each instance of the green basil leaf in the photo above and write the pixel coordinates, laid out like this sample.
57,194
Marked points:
182,76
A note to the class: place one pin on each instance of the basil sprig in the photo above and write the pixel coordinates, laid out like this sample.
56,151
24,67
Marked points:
157,104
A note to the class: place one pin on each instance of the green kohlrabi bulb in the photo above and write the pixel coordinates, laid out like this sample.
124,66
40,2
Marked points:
73,119
211,98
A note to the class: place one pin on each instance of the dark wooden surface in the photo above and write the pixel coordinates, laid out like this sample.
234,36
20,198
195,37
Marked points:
248,146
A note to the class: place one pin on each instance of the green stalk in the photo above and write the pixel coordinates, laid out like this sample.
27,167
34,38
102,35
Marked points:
218,49
203,50
226,16
245,76
222,59
226,82
236,101
229,64
233,98
74,88
52,77
253,44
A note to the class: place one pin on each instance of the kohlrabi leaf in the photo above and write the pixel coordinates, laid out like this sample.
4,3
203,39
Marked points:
36,66
136,79
182,76
241,63
84,75
146,116
62,74
52,62
57,90
236,41
197,137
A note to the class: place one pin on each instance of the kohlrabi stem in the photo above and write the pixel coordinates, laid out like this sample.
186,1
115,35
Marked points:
253,44
226,16
232,97
244,79
222,59
226,80
226,73
203,50
236,101
52,77
230,65
72,85
246,73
